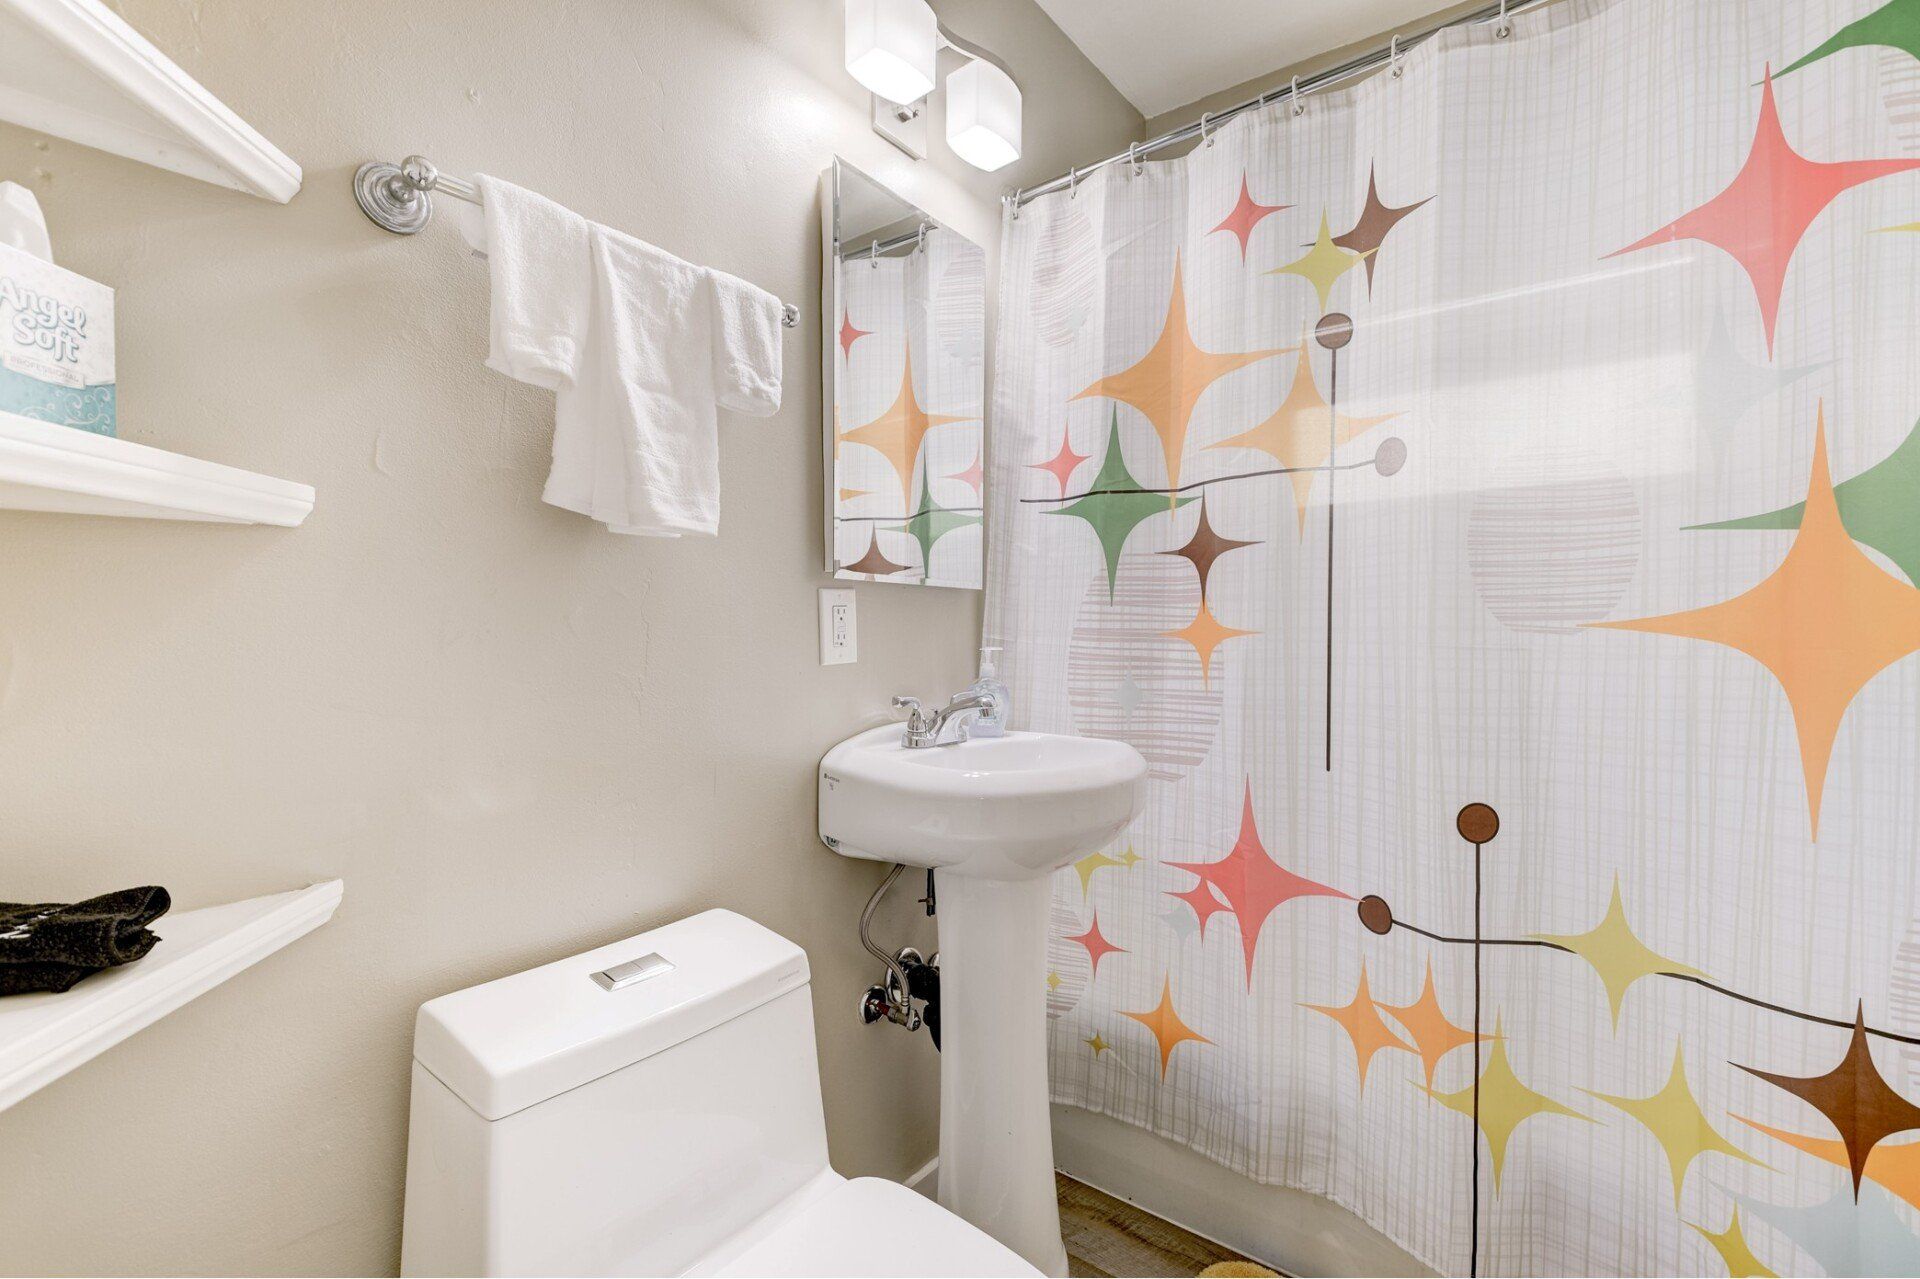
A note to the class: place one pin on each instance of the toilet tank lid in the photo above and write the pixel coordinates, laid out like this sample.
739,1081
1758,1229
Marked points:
515,1042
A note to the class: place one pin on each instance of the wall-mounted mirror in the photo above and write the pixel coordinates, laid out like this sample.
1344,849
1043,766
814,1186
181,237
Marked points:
905,388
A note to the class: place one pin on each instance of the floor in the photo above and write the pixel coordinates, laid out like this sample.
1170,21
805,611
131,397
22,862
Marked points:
1108,1238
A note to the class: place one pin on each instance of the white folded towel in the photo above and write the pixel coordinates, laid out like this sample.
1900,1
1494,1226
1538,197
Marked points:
746,343
641,349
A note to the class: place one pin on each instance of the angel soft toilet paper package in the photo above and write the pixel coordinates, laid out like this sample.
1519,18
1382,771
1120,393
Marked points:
56,329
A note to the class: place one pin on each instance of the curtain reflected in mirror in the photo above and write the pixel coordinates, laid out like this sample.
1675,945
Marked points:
905,388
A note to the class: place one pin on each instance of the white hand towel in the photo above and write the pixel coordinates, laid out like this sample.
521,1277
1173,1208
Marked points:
641,350
645,399
542,284
746,345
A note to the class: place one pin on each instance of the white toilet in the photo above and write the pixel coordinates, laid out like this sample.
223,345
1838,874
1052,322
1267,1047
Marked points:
650,1108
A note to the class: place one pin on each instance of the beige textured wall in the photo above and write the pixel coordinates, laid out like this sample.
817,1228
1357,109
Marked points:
515,736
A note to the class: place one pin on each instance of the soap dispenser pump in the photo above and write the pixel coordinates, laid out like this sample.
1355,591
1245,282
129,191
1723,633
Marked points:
991,723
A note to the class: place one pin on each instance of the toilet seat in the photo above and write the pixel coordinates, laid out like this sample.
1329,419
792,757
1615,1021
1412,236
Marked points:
868,1228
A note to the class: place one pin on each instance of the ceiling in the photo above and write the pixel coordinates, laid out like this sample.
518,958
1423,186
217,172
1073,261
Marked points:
1158,55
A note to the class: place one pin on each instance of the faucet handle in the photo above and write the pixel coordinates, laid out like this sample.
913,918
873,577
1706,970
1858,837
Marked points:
915,713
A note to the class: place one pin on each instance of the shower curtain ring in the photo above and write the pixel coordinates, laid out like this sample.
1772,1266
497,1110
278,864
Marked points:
1504,28
873,255
920,239
1393,57
1015,197
1133,159
1073,184
1299,107
1204,135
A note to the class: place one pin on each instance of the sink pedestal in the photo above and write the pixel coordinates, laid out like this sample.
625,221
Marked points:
996,1134
993,818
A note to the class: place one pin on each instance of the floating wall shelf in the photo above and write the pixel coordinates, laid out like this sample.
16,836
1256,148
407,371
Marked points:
42,1037
57,468
74,69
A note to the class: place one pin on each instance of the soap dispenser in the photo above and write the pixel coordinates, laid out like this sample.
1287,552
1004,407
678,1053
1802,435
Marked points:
990,723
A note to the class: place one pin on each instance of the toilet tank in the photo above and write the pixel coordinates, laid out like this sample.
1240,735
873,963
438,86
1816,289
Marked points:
621,1112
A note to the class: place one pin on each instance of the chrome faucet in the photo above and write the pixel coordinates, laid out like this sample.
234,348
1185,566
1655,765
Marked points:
925,730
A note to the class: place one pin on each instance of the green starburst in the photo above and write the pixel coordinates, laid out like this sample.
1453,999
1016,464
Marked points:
1895,25
931,522
1116,504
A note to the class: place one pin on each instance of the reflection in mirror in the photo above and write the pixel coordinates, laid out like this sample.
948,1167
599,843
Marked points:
904,372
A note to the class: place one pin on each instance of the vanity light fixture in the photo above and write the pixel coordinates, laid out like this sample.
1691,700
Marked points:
893,48
983,115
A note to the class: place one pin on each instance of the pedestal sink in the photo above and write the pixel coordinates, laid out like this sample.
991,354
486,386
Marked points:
993,818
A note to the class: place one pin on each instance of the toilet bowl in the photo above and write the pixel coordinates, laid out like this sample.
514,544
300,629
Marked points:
650,1108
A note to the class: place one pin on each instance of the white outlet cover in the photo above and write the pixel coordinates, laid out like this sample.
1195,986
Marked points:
839,627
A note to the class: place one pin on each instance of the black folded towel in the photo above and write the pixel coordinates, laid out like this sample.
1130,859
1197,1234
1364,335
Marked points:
25,979
51,946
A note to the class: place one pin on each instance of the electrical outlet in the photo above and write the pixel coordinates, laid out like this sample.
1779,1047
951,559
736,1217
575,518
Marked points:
839,629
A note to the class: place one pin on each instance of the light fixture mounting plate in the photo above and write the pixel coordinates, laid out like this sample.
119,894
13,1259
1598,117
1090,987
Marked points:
904,126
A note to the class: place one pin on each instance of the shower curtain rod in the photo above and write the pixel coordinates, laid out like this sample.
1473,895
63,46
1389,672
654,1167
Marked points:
915,238
1503,13
397,197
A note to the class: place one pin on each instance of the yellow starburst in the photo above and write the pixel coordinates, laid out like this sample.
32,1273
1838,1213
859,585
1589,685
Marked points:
1677,1123
1089,864
1616,954
1323,264
1505,1103
1731,1244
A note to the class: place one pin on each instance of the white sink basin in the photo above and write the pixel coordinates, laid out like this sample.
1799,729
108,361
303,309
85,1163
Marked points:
1011,807
993,818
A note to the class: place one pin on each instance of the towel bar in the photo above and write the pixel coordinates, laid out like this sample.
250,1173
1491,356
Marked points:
397,197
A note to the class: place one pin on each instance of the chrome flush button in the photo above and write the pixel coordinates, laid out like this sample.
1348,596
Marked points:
632,971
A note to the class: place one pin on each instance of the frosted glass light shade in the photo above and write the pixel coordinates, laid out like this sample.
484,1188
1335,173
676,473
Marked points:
983,115
891,47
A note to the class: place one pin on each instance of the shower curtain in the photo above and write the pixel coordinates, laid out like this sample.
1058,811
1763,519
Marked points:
1489,498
